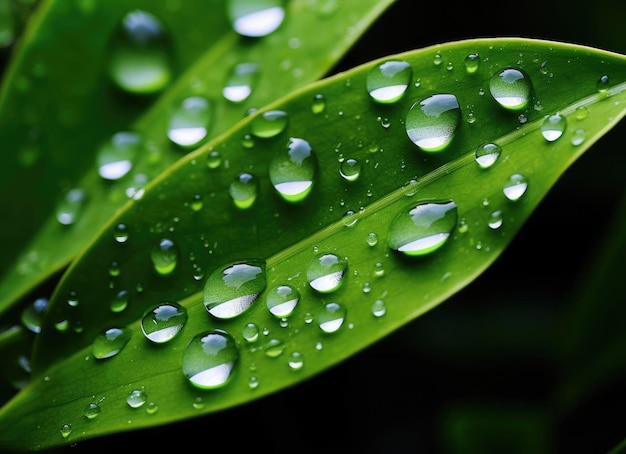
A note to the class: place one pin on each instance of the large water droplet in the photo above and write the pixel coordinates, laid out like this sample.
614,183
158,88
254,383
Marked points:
232,289
136,398
350,169
243,190
189,122
70,205
325,272
209,359
331,317
164,256
282,300
292,170
256,18
486,155
241,82
424,228
116,156
141,58
510,88
387,82
110,342
92,411
515,186
432,122
164,322
553,127
269,124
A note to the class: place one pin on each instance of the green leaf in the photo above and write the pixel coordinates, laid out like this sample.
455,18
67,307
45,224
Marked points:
280,239
70,164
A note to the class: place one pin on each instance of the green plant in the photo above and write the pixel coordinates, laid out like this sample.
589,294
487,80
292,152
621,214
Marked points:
186,210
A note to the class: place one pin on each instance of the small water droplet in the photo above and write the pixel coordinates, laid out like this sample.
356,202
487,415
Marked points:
510,88
495,220
581,113
120,301
70,205
424,228
486,155
136,398
472,62
141,54
319,104
255,18
164,256
152,408
578,137
32,315
110,342
515,186
209,359
281,300
432,122
274,348
189,122
325,272
372,239
250,332
92,410
231,290
296,361
196,203
292,170
120,233
116,156
66,430
603,84
253,382
553,127
350,169
241,81
269,124
349,218
387,82
163,322
331,317
378,308
243,190
214,159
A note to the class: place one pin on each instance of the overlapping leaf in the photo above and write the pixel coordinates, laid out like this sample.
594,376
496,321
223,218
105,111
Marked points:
191,207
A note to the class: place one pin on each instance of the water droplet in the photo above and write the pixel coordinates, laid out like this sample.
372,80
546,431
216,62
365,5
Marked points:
378,308
209,359
253,382
110,342
70,205
349,218
325,272
553,127
196,203
282,300
331,317
495,220
241,81
296,360
350,169
486,155
578,137
163,322
319,104
581,113
66,430
602,84
515,186
274,348
115,157
121,233
120,301
214,159
372,239
243,190
152,408
136,398
432,122
292,170
92,410
232,289
32,315
269,124
164,256
189,122
472,62
141,57
256,18
424,228
250,332
387,82
510,88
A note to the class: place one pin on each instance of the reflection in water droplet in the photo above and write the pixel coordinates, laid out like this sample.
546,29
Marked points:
424,228
486,155
378,308
241,82
515,186
495,220
189,122
141,54
232,289
331,317
256,18
282,300
120,233
432,122
387,82
269,124
209,359
70,205
136,398
164,322
350,169
293,169
325,272
116,156
243,190
164,256
250,332
296,361
553,127
111,342
510,88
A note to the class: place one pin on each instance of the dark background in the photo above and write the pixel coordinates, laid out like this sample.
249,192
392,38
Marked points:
482,372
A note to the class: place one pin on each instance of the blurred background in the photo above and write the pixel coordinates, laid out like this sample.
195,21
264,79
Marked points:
529,358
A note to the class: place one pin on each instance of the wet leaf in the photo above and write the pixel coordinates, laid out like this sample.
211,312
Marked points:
416,226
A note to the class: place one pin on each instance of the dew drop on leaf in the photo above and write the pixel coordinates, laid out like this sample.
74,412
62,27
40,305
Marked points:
331,317
66,430
326,272
432,122
164,256
378,308
70,205
32,315
116,156
120,233
424,228
495,220
231,290
250,332
189,122
486,155
319,104
269,124
350,169
209,359
92,410
296,361
274,348
510,88
472,62
241,81
136,398
281,300
120,301
387,82
553,127
256,18
243,190
292,170
163,322
110,342
515,186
